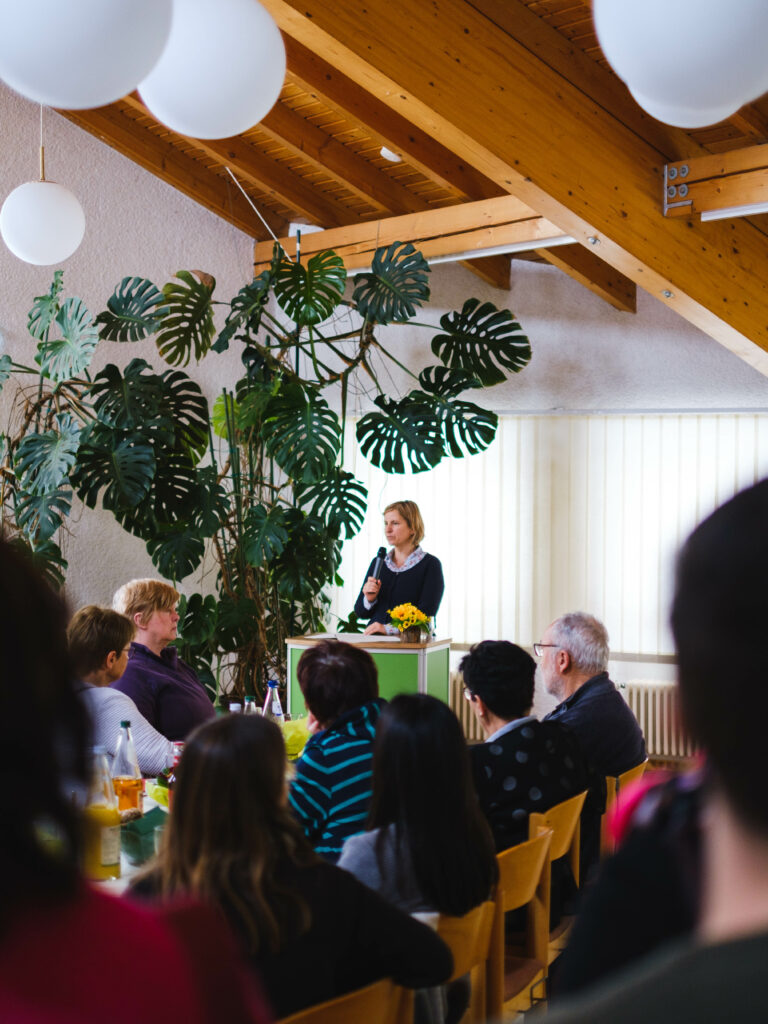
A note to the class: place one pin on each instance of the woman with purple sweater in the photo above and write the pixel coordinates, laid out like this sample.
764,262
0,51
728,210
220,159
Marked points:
165,690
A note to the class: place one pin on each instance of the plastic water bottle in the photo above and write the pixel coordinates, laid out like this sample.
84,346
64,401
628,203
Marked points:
250,707
273,709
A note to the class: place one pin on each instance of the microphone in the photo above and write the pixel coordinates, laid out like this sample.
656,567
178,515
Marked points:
381,554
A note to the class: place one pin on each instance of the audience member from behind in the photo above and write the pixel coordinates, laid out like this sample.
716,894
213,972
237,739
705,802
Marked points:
573,659
311,930
428,846
64,946
524,765
718,622
165,690
331,790
99,640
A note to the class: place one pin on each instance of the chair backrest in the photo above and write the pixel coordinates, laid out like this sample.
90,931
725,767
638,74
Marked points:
380,1003
471,941
564,821
524,881
631,775
469,937
613,787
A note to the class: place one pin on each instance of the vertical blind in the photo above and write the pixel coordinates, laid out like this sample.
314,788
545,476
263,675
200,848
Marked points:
563,513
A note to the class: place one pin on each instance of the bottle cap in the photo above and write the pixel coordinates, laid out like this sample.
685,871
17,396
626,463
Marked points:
272,682
249,700
125,724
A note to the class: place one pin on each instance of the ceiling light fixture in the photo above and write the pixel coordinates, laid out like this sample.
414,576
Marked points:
388,154
690,63
748,210
42,222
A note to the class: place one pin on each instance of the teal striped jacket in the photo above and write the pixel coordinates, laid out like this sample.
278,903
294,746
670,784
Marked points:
332,787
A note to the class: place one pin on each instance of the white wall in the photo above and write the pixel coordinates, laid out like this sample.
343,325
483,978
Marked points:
587,358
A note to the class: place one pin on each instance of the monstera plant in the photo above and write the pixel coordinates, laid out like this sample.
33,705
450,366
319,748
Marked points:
257,480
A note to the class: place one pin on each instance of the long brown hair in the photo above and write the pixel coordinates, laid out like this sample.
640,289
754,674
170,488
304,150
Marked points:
230,832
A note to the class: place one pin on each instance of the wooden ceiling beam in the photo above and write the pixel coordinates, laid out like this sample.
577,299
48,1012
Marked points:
452,231
595,274
173,167
327,154
409,227
388,127
494,270
482,93
721,181
267,175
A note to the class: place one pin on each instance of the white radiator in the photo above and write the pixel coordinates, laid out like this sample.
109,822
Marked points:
655,707
461,707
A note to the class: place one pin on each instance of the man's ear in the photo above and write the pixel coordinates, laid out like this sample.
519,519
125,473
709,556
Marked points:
110,660
563,661
479,706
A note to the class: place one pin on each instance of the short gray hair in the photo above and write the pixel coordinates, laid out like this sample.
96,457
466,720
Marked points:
585,638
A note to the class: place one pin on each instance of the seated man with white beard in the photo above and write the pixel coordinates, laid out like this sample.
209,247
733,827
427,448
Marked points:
573,657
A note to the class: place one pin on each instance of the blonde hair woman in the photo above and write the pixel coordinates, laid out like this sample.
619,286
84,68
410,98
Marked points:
407,575
164,689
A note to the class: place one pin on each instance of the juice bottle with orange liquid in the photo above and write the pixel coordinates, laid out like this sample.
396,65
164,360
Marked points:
126,775
101,848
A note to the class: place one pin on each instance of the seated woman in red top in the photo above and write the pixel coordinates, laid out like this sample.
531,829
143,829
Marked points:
310,929
67,951
165,690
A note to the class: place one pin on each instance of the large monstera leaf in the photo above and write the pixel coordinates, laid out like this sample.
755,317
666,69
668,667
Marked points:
245,311
187,326
309,294
395,286
236,622
310,558
176,551
65,357
45,307
46,558
339,499
211,506
133,312
404,429
116,470
43,461
482,339
130,399
264,534
467,429
303,434
40,515
188,409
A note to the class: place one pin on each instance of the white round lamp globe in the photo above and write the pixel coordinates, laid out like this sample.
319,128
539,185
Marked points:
221,72
42,222
79,54
691,63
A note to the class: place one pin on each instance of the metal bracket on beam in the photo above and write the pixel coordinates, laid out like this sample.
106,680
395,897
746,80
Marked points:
732,184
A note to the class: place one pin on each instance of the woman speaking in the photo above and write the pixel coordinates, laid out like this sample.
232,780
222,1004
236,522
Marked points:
407,575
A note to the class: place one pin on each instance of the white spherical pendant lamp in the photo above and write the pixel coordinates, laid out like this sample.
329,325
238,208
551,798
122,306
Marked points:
79,54
691,63
42,222
221,72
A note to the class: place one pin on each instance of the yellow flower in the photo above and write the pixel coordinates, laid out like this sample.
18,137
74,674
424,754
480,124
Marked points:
404,616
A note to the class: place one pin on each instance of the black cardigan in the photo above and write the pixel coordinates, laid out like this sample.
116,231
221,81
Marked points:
421,585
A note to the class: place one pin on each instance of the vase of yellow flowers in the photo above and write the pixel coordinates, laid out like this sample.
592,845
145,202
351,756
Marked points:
412,624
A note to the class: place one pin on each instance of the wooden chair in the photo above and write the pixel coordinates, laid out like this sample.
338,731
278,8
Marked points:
524,879
470,940
380,1003
564,821
614,785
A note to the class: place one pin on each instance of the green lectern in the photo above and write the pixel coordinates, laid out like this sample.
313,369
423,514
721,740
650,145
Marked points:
403,668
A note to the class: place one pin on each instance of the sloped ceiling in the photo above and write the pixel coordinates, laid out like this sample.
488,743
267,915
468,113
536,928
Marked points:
481,99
